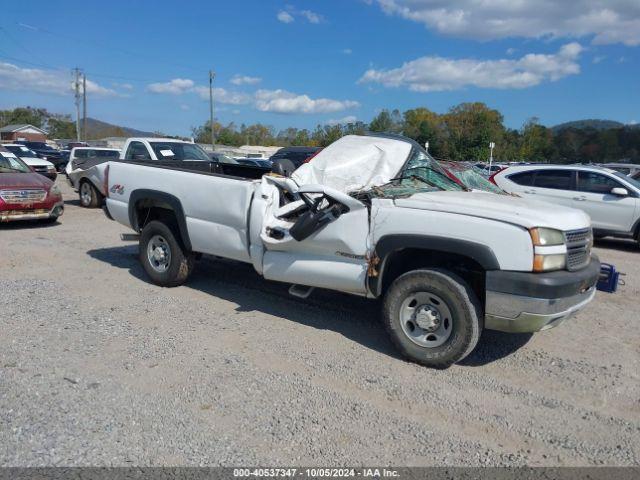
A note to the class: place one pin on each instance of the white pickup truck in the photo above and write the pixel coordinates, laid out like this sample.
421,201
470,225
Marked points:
373,216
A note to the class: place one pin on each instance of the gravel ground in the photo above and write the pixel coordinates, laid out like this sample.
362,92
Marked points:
99,367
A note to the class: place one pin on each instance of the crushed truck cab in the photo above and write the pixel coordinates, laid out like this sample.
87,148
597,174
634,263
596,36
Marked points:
373,216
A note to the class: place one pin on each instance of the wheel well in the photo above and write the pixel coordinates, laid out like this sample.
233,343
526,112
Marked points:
406,260
147,210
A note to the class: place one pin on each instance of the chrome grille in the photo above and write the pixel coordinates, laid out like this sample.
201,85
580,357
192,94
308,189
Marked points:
23,196
578,248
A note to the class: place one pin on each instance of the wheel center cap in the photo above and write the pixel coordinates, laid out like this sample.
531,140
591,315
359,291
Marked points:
428,318
158,254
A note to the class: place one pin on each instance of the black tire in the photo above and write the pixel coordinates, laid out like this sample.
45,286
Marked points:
180,263
89,195
462,306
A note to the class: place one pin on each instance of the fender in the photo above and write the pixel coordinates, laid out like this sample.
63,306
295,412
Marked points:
389,244
160,197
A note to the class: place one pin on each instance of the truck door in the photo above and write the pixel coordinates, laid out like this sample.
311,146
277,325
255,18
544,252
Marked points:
318,237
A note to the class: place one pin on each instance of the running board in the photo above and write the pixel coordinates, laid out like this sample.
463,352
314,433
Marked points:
129,237
300,291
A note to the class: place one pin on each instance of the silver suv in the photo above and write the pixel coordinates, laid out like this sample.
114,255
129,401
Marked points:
610,198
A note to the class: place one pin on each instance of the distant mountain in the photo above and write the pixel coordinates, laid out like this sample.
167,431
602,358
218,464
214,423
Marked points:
97,129
589,124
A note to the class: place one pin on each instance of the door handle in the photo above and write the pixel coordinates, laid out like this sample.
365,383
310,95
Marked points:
580,199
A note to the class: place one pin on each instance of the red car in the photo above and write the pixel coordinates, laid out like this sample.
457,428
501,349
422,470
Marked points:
25,195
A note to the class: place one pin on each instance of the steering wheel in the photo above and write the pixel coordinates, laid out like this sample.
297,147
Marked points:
333,205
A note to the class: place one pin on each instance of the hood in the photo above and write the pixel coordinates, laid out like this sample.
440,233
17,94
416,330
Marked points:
36,162
355,162
505,208
24,180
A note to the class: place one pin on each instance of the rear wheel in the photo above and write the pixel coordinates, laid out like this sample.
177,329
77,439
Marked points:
163,257
90,197
433,317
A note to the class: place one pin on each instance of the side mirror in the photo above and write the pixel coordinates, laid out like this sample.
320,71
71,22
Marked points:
620,192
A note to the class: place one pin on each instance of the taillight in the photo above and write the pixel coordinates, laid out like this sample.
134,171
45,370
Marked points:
105,185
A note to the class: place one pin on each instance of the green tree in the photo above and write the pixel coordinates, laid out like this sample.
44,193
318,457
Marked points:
470,128
537,142
423,125
61,126
27,115
385,121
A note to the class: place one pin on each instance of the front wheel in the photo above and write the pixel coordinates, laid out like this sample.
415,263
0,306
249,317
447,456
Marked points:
433,317
163,257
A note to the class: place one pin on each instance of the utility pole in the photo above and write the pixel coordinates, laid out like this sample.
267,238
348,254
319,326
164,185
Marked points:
492,145
76,88
84,107
212,75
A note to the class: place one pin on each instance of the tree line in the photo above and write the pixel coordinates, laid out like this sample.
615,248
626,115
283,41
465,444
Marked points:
462,133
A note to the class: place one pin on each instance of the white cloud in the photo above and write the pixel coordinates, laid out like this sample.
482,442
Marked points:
312,17
222,95
433,73
245,80
342,121
177,86
290,14
54,82
184,107
281,101
606,21
181,86
511,51
124,86
284,17
347,51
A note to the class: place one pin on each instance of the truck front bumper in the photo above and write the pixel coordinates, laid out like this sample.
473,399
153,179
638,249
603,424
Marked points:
530,302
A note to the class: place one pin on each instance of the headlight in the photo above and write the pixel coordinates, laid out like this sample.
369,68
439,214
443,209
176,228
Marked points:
544,237
55,190
51,168
547,263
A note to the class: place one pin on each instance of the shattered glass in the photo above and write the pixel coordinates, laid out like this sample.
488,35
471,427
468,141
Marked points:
421,174
471,177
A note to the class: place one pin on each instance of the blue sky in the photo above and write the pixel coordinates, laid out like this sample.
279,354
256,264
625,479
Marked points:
303,63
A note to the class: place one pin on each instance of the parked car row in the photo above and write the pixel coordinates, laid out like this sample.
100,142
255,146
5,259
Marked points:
37,164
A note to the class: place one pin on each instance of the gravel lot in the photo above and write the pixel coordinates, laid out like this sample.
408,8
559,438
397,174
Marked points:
99,367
